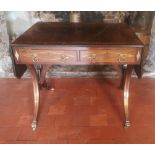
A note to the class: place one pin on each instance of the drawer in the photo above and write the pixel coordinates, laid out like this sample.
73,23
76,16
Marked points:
111,55
32,56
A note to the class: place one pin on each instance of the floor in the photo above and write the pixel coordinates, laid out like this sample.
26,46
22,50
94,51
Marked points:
80,110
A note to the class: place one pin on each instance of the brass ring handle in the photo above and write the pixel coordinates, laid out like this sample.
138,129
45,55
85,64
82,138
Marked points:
64,57
34,57
92,56
121,58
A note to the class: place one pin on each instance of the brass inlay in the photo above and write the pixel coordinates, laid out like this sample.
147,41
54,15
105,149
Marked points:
16,55
138,55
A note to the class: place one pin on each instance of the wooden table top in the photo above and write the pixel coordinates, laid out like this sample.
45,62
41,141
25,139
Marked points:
79,34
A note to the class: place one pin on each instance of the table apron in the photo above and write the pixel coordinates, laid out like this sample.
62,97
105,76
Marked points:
97,56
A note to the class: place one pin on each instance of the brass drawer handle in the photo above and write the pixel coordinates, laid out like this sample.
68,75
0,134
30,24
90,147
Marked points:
121,58
64,57
92,56
34,57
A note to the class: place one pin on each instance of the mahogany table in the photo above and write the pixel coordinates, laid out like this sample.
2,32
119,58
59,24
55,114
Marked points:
46,44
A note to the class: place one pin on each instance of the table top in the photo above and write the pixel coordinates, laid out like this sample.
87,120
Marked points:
82,34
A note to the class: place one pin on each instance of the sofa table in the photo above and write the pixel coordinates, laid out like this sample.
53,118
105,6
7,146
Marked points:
46,44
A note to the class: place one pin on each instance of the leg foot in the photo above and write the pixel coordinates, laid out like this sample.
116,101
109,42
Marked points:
52,89
127,124
47,86
34,125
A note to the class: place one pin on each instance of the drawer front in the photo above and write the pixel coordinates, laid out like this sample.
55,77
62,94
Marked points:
111,55
32,56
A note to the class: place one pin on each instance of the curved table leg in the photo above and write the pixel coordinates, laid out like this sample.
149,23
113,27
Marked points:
138,70
36,94
123,74
126,94
43,81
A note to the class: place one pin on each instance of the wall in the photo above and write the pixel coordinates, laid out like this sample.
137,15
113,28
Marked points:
149,67
18,22
5,60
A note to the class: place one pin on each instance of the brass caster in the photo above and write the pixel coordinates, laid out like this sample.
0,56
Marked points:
34,125
127,124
